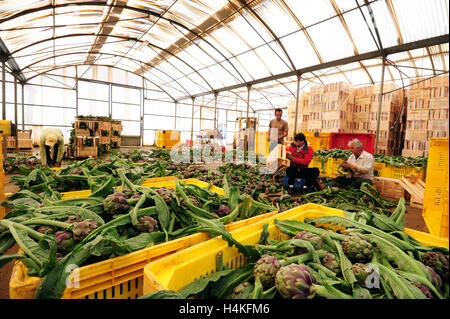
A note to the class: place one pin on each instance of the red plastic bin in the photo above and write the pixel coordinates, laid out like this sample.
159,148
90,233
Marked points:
340,140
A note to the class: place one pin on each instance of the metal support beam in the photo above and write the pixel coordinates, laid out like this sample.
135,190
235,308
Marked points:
23,104
192,122
175,117
355,58
3,91
15,103
249,88
297,99
215,111
380,102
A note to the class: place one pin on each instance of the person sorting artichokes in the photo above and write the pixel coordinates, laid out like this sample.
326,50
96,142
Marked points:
358,167
52,147
300,155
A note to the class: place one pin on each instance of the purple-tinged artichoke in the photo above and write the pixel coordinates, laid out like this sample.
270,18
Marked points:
146,224
116,204
315,240
357,249
44,229
331,262
294,282
242,289
64,240
360,272
73,219
438,261
435,278
223,211
165,195
265,269
424,289
59,256
84,228
194,200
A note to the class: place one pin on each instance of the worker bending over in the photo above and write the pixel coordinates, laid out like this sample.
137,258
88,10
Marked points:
52,147
300,155
359,167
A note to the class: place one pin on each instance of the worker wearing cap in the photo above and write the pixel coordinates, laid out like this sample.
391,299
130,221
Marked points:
52,147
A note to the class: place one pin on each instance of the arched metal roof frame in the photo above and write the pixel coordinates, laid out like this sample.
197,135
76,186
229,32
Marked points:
91,63
246,5
99,3
104,65
114,36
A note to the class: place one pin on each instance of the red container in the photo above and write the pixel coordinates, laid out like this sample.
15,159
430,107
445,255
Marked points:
340,140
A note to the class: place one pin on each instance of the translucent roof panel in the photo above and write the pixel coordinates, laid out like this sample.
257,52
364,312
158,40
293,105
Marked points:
194,47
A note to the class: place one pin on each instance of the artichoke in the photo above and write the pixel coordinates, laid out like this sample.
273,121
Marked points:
294,282
165,195
223,211
331,262
242,289
116,203
435,278
127,192
194,200
357,249
59,256
84,228
64,240
424,289
73,219
438,261
265,269
146,224
314,239
360,272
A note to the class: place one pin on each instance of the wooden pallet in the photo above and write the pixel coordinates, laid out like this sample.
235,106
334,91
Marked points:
388,187
416,188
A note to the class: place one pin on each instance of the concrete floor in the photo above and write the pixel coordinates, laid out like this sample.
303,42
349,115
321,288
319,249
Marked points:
413,220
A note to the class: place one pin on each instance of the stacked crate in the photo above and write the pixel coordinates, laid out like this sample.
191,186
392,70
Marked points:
116,133
302,115
24,140
361,106
389,135
329,107
427,114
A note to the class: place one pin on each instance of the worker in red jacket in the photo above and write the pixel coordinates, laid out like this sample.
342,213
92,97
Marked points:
300,155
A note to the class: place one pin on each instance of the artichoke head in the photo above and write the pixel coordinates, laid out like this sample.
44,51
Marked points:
265,269
116,204
84,228
294,282
357,249
438,261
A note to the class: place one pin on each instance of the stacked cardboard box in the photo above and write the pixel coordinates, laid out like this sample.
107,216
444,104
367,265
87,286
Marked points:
302,115
427,114
100,128
24,140
389,135
329,107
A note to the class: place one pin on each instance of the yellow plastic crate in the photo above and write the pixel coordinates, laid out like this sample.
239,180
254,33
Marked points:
385,170
320,142
87,192
120,277
436,197
178,270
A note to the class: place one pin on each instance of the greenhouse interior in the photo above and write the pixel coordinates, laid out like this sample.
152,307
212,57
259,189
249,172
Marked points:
228,149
